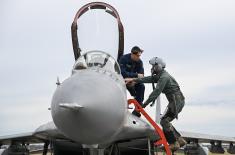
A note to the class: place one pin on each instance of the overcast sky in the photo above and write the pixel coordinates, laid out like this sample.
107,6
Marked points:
195,38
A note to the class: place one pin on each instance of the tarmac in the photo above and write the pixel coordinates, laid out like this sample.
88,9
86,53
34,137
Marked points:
40,153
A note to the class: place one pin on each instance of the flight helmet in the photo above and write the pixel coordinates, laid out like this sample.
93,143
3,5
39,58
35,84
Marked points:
157,65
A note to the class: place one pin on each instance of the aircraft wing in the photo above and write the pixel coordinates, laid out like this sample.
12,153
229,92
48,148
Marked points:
41,134
216,143
128,140
49,131
206,138
23,137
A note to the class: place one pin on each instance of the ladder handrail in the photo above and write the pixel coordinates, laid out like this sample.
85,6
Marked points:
158,130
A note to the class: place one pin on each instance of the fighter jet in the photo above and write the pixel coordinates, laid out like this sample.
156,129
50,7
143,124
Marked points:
90,109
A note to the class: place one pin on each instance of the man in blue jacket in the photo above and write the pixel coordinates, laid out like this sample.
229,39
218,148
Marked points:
132,67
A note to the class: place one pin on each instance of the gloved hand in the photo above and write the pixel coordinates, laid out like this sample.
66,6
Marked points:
140,75
145,105
128,80
151,105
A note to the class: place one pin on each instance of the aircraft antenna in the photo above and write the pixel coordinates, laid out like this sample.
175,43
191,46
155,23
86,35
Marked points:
58,81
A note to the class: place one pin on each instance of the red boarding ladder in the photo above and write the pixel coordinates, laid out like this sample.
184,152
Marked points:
158,130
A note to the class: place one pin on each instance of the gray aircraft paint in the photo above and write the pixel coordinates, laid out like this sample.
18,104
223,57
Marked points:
93,102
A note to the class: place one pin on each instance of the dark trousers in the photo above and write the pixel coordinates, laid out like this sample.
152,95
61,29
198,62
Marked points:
137,91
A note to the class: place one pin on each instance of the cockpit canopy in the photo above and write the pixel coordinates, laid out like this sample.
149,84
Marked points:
97,59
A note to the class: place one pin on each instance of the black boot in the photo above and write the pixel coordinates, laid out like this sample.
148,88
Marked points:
170,137
136,113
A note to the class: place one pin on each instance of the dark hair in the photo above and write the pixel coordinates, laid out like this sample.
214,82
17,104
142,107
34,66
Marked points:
136,49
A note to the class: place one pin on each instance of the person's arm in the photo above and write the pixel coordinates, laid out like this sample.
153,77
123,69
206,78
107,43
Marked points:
147,79
157,91
124,72
140,69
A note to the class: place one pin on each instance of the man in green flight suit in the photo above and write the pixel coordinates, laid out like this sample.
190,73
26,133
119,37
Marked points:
167,85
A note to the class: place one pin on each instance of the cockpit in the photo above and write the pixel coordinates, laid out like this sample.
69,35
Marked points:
97,59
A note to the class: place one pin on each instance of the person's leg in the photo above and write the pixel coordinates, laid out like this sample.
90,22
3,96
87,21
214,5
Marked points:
131,90
179,106
169,130
139,89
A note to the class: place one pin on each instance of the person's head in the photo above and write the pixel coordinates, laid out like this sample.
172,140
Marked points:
157,65
136,53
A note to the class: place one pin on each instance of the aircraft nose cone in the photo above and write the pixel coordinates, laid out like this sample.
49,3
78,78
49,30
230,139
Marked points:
89,107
